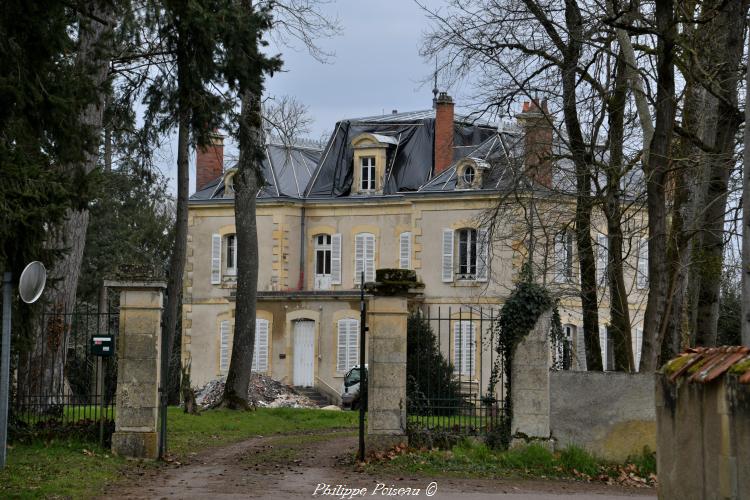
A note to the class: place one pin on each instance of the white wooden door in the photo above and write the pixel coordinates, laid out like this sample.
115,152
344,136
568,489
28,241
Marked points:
304,353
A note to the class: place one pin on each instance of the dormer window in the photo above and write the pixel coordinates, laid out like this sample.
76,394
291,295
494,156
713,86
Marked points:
367,173
469,173
371,155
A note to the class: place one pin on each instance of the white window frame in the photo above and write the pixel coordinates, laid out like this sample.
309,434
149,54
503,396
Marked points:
602,259
472,246
230,246
327,248
367,182
347,347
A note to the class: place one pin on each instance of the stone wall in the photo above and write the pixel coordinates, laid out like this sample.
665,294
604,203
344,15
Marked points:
703,436
610,414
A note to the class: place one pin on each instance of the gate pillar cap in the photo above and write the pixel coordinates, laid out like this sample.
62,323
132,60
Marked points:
135,285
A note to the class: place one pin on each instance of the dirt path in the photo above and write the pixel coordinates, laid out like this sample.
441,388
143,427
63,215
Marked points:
293,466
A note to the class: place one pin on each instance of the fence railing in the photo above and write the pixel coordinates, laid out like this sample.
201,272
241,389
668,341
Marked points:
452,393
59,379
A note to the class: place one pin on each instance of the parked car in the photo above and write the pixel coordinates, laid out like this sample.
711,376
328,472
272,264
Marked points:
352,395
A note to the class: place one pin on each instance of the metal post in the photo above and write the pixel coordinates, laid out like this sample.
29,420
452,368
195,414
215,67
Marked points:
364,390
5,368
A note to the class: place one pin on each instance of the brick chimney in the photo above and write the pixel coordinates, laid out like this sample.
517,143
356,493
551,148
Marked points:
535,121
209,162
443,132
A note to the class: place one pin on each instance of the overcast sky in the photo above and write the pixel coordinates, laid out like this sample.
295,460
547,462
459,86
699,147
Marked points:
376,68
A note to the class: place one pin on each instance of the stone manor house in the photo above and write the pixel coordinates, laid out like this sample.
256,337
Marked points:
403,190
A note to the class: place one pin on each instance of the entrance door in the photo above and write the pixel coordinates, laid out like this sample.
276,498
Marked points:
304,353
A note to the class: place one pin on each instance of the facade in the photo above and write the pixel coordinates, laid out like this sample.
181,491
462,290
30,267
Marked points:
406,190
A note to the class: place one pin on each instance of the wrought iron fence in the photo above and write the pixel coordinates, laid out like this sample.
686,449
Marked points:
451,355
59,380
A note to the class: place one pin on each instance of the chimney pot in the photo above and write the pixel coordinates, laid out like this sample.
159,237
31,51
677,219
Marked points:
444,116
209,161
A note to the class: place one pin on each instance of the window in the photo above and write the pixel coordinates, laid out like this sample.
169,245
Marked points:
230,242
602,259
471,250
348,344
464,352
404,261
563,257
367,179
364,257
468,175
642,269
467,253
578,347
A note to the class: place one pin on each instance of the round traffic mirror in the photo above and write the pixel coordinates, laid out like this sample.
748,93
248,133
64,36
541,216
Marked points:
32,281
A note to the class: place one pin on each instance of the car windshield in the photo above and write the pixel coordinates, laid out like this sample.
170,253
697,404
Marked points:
352,377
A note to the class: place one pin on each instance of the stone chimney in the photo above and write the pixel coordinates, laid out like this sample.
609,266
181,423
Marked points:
443,132
537,128
209,162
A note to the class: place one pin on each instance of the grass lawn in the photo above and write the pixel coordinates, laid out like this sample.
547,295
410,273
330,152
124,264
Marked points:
73,469
473,459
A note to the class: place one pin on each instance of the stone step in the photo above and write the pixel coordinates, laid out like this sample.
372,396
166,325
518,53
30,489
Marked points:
313,394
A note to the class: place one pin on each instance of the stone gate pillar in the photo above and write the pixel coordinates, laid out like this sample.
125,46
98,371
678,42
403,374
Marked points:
138,369
387,321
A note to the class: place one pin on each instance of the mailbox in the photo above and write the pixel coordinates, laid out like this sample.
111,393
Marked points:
103,345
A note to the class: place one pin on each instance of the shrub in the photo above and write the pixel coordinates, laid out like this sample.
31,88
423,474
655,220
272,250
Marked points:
431,388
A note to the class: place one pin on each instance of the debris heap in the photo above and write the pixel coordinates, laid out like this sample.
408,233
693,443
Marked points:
263,392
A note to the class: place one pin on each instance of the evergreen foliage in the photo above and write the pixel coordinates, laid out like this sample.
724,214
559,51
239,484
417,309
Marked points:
431,388
42,91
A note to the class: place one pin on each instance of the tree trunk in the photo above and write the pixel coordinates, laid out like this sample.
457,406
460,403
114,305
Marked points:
728,37
745,320
586,260
42,370
657,309
179,251
246,183
619,312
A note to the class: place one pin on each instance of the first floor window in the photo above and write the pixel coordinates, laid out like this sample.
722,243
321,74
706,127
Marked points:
323,254
364,257
642,268
231,245
564,257
467,253
367,179
348,344
464,348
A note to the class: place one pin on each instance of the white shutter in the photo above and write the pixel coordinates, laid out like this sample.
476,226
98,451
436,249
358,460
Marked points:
260,351
642,271
405,250
603,346
216,259
483,246
464,345
447,255
336,259
369,257
359,258
353,344
224,346
343,338
348,340
602,258
637,345
559,259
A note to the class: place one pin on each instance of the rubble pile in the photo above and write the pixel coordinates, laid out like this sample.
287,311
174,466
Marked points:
263,392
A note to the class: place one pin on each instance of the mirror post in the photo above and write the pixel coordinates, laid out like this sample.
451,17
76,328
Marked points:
5,367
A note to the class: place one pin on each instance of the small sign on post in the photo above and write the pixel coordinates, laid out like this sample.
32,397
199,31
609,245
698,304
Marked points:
103,345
